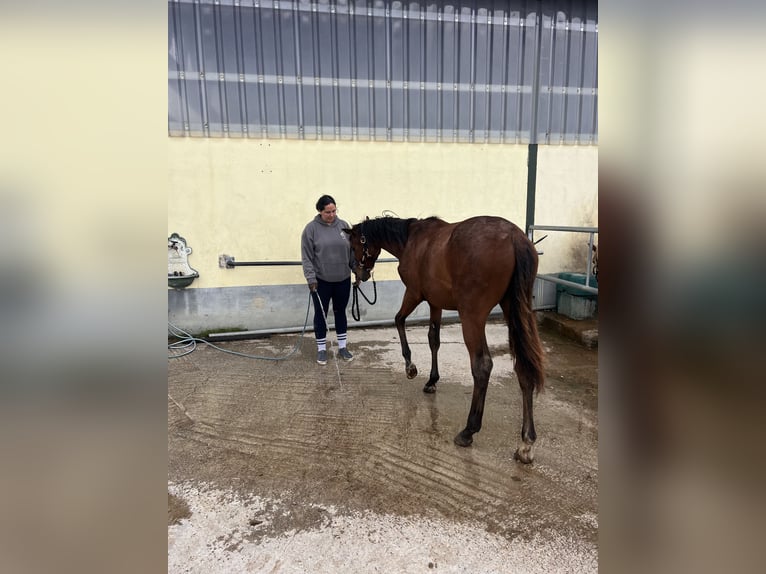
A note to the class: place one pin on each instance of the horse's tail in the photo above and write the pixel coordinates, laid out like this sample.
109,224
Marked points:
522,323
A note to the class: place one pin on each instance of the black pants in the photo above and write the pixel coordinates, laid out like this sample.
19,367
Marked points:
339,292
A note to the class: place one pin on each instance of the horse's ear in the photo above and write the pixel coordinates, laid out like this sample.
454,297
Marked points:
367,218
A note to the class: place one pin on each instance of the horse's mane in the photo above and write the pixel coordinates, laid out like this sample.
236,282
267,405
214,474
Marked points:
389,229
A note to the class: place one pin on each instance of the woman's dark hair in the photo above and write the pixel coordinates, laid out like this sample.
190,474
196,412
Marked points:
324,201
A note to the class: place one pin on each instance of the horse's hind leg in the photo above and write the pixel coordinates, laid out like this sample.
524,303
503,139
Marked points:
434,341
481,368
409,302
527,365
528,436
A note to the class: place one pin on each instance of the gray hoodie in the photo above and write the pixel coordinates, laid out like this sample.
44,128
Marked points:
326,251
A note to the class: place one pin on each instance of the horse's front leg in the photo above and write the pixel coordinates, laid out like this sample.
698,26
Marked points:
481,368
409,302
434,341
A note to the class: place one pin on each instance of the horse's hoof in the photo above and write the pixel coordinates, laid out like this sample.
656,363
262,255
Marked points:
429,388
524,454
412,372
460,440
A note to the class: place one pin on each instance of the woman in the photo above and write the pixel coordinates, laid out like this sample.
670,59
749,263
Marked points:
327,264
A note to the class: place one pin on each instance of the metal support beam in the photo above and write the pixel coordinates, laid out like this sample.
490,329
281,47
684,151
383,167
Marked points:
580,286
531,186
228,262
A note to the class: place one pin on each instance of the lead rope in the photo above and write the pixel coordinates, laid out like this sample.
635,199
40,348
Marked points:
355,300
327,325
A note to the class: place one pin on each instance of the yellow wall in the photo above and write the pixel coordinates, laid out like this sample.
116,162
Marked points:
567,194
251,198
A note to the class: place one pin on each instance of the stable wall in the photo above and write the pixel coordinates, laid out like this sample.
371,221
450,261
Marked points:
251,199
567,194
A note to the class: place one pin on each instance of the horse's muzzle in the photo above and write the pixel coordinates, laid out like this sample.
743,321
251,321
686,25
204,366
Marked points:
363,275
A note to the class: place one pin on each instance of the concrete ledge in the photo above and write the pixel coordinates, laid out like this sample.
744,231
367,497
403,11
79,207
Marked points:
584,331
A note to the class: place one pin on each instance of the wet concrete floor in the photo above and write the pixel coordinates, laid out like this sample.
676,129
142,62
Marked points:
289,466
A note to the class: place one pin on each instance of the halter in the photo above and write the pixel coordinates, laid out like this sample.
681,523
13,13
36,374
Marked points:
355,313
365,253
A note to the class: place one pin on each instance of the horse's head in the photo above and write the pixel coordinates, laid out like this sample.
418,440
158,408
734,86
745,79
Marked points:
365,253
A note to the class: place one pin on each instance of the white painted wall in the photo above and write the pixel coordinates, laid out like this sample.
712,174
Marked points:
567,194
251,199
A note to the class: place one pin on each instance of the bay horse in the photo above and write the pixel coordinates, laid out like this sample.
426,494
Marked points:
470,267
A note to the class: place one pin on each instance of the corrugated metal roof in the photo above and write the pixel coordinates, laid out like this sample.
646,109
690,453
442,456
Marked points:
475,71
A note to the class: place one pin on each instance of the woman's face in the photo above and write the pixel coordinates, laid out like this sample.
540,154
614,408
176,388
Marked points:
329,213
